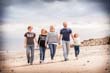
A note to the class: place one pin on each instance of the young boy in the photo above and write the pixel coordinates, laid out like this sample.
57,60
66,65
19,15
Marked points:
29,44
76,45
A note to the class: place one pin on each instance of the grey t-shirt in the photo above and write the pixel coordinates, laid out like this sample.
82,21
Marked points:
52,37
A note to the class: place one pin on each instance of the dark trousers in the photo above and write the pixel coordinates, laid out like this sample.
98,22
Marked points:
42,53
77,50
52,48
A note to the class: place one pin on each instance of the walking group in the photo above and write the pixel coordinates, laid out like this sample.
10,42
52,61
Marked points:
50,39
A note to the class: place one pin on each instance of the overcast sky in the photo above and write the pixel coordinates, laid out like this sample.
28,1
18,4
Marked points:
80,14
87,17
56,11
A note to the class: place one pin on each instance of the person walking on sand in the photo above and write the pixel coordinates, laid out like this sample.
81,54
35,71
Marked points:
76,45
52,40
65,34
30,44
41,43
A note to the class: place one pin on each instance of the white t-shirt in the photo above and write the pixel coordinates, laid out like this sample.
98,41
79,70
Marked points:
77,41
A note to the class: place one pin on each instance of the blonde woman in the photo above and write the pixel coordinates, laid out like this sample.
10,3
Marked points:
52,40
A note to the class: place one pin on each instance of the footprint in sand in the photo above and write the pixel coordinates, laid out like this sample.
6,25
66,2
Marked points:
106,69
88,61
12,70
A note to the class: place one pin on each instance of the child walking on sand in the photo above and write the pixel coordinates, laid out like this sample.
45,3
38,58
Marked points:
29,44
76,45
41,43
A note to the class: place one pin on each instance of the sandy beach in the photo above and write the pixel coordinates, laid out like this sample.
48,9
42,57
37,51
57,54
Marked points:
75,22
92,59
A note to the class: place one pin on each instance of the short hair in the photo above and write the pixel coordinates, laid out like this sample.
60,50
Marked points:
29,27
65,24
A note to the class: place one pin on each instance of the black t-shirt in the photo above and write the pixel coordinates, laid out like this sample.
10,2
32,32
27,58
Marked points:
30,37
41,40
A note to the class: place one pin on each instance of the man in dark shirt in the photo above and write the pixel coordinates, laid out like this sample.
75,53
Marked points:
29,44
65,34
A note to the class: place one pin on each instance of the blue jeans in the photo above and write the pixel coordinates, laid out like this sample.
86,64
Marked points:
76,48
42,53
65,45
52,50
30,53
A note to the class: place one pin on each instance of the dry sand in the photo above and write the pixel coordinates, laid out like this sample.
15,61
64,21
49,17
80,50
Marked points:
92,59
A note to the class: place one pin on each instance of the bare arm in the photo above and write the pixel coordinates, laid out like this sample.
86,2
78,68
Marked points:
35,42
72,36
60,36
25,42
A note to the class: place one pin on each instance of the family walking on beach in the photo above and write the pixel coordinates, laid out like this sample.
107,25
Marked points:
51,39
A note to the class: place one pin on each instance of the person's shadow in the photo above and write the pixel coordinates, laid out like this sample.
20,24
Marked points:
25,65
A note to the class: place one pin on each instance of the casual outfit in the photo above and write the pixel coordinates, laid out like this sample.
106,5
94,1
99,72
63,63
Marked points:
52,40
77,46
42,47
65,32
30,36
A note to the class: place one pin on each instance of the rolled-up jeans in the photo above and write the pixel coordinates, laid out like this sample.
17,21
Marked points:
65,45
30,53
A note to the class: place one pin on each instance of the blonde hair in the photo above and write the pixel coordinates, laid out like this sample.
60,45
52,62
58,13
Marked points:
52,28
44,31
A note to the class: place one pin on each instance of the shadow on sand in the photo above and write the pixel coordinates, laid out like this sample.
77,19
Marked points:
25,65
